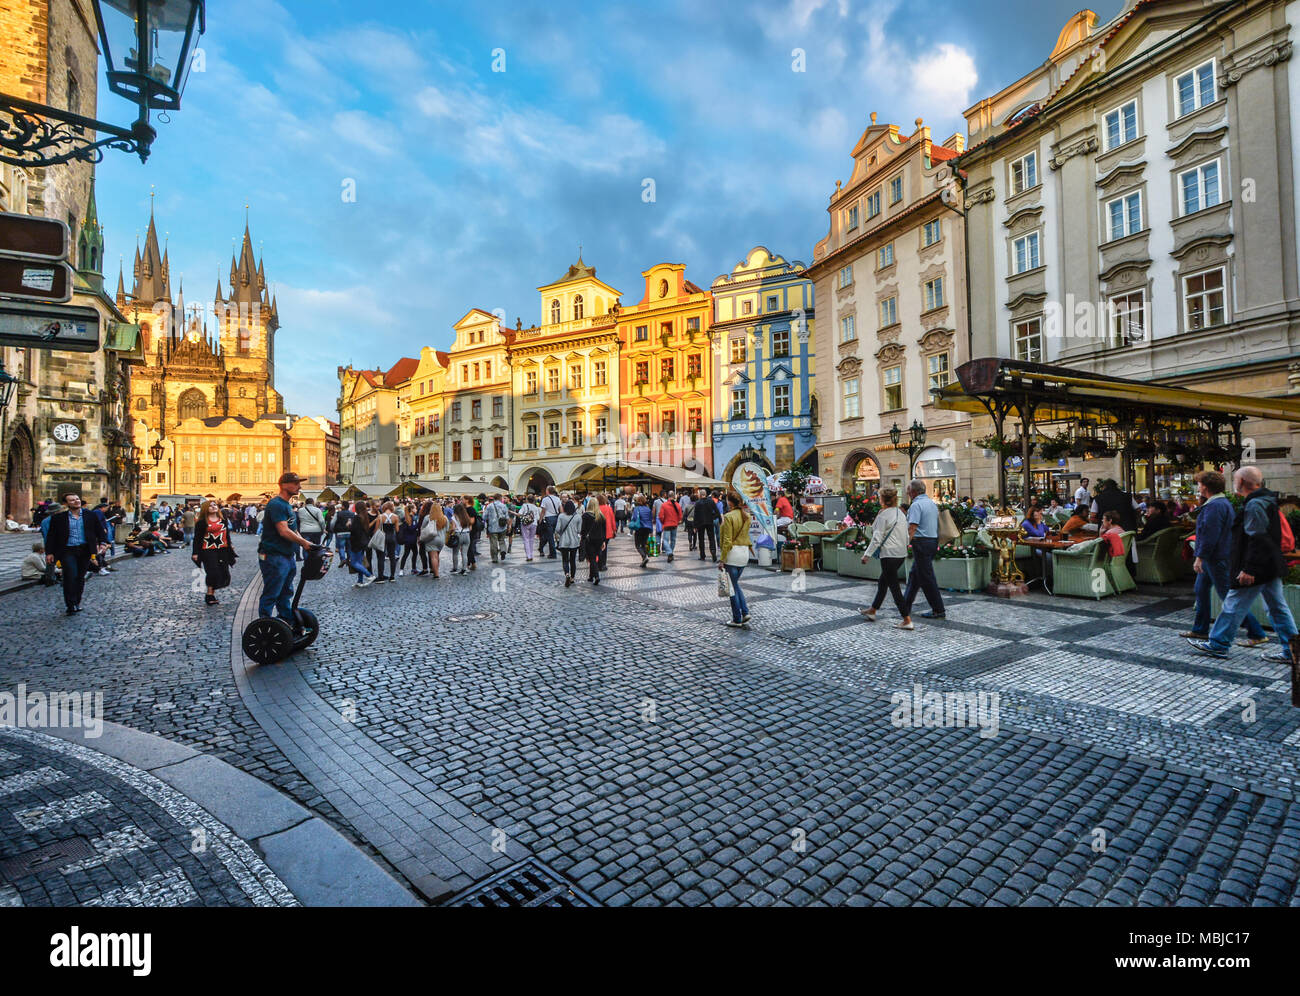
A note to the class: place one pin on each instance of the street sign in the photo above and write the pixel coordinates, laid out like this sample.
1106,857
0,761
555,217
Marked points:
35,238
48,327
35,280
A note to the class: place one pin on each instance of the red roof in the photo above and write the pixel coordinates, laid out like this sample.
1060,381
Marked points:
938,153
400,371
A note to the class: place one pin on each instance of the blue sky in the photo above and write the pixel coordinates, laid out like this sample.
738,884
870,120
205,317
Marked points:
473,187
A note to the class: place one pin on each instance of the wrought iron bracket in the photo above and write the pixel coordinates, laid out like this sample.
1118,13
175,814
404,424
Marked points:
34,134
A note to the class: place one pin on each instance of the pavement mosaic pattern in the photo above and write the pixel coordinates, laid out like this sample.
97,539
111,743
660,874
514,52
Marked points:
141,843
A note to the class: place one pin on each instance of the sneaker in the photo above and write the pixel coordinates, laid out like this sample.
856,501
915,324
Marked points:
1251,644
366,582
745,618
734,625
1277,657
934,615
904,625
401,574
1204,647
1189,635
104,571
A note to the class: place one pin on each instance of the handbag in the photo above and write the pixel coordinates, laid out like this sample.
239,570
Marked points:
948,530
377,541
876,554
526,519
724,585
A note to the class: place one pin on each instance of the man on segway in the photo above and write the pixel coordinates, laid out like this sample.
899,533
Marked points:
275,551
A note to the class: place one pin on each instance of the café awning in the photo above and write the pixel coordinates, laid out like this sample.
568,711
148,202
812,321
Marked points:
621,473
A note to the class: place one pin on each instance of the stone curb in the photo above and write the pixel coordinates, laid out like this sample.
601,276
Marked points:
12,586
314,861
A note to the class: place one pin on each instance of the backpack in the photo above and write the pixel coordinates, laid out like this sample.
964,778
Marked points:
1288,537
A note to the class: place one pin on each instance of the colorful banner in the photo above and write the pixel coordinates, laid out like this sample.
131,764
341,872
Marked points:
750,480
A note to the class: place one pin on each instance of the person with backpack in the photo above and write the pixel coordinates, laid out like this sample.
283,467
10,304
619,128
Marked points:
641,524
1213,552
704,516
529,516
497,519
568,537
458,537
1257,570
670,517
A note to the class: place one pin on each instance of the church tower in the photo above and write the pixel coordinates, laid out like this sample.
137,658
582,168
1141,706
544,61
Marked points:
247,319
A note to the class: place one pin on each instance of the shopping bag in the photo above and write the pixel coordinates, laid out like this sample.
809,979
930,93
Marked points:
724,585
948,530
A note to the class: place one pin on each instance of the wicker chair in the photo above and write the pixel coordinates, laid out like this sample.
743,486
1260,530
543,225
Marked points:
1160,558
1073,570
1117,567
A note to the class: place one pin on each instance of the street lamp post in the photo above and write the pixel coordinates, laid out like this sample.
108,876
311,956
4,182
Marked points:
148,48
915,442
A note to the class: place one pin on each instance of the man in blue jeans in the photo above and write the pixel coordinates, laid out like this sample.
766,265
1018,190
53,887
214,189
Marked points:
1213,552
1257,570
276,548
923,530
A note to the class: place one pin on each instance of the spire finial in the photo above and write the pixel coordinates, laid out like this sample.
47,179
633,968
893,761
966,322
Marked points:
152,191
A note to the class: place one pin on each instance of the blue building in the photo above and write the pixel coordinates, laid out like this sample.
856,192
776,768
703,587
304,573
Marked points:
763,365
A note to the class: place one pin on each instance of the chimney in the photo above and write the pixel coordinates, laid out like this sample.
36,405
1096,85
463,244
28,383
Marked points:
956,142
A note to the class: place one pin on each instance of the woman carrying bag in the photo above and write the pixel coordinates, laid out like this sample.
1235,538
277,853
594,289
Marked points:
212,549
433,536
358,537
736,548
568,537
458,538
889,543
593,538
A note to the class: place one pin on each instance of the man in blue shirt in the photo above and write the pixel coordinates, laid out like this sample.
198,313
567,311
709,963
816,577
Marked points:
923,529
73,539
1213,553
275,550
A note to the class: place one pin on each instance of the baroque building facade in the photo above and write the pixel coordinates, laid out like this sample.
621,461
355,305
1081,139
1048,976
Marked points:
763,360
665,407
477,402
564,379
50,55
890,289
368,427
1133,210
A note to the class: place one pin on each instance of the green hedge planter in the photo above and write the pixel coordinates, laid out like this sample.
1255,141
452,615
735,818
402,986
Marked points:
963,573
830,555
1291,592
849,565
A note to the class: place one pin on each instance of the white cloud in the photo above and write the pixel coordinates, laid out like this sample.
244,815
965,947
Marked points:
943,80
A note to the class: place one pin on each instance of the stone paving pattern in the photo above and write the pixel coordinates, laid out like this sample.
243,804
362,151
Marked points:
625,737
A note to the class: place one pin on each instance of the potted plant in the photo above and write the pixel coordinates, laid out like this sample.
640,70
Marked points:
1002,447
1055,447
797,553
962,568
863,509
848,563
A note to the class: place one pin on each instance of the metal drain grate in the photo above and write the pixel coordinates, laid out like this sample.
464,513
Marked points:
62,852
472,617
529,883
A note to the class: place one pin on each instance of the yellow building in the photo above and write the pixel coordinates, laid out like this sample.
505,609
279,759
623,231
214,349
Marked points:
666,405
476,399
368,430
314,451
227,457
427,386
565,382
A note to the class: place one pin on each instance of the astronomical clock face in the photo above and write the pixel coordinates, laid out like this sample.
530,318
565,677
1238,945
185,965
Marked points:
66,432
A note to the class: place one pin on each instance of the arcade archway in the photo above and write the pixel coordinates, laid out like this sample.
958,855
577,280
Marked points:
20,475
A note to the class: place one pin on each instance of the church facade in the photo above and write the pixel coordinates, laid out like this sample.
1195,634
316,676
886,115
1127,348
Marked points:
197,380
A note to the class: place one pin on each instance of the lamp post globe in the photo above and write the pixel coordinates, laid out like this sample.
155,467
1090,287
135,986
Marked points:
918,434
156,451
148,47
895,435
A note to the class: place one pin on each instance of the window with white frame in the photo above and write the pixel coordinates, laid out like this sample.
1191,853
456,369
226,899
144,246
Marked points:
873,204
552,434
885,256
1025,253
851,397
1203,300
1028,336
738,350
1024,173
931,233
575,432
598,369
895,190
781,399
1199,187
934,294
893,388
1120,126
1124,215
851,218
846,275
1128,318
937,365
848,330
1195,89
739,402
530,434
602,428
888,311
780,342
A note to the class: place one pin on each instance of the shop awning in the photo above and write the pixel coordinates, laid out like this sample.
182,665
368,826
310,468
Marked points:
640,473
1059,394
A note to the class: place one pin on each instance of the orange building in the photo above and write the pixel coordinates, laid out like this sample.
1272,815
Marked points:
666,373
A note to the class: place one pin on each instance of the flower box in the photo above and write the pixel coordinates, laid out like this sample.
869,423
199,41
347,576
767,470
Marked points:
850,565
796,559
963,573
830,555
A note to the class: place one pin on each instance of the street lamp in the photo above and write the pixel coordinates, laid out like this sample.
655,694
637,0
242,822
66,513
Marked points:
915,442
148,47
156,451
8,384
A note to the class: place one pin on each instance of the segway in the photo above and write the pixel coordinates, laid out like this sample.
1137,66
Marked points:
270,639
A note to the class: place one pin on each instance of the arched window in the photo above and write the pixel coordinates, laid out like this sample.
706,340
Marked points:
577,307
193,404
141,404
555,312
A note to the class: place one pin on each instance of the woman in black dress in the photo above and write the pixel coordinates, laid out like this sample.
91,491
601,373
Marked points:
212,549
593,538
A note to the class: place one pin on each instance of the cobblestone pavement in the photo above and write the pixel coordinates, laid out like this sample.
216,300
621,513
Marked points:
626,738
126,838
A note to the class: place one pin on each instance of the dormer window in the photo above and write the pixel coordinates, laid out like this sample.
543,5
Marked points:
555,312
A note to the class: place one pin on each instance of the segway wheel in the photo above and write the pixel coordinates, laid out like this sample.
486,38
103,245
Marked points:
305,633
268,640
